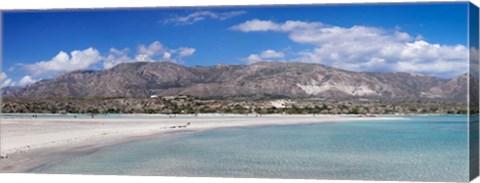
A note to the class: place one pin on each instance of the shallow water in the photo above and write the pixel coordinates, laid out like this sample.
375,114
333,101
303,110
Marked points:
423,148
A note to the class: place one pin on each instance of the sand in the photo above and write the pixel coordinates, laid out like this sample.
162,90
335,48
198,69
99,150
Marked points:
27,142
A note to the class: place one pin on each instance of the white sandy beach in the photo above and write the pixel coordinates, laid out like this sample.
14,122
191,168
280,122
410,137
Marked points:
20,137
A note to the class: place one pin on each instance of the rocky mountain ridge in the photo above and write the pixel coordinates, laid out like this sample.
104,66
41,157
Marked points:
259,80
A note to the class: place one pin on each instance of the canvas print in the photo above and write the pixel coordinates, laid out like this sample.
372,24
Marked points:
338,92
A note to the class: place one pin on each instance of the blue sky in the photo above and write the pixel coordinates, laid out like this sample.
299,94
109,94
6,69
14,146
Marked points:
421,38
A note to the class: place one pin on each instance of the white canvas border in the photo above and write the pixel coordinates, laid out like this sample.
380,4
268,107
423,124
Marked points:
9,5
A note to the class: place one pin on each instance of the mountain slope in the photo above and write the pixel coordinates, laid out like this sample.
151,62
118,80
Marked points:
265,79
455,88
10,89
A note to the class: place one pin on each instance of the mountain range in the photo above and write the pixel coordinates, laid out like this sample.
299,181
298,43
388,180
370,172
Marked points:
258,80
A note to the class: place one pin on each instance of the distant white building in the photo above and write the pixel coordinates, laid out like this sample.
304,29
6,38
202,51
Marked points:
153,96
279,103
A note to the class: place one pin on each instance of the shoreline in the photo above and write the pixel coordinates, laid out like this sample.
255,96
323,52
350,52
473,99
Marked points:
30,143
46,155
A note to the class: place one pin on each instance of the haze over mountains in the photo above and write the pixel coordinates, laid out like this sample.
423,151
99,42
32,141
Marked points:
259,80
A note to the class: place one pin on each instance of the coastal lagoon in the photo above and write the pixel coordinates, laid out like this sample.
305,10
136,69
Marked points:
421,148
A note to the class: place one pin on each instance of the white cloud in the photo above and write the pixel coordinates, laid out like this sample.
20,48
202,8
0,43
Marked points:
256,25
185,52
91,59
202,15
362,48
145,53
156,51
63,62
267,25
272,54
116,57
265,56
26,80
153,52
167,56
5,81
178,55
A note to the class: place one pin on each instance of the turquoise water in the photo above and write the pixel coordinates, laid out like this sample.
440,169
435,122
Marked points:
423,148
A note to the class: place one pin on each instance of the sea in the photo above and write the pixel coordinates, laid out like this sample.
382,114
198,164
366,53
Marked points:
410,148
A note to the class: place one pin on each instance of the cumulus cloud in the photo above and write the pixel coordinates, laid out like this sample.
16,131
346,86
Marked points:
116,57
5,81
202,15
156,51
185,52
153,52
91,58
265,56
256,25
167,56
26,80
363,48
145,53
64,62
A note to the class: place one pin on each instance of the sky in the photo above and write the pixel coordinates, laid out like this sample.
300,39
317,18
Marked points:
429,39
